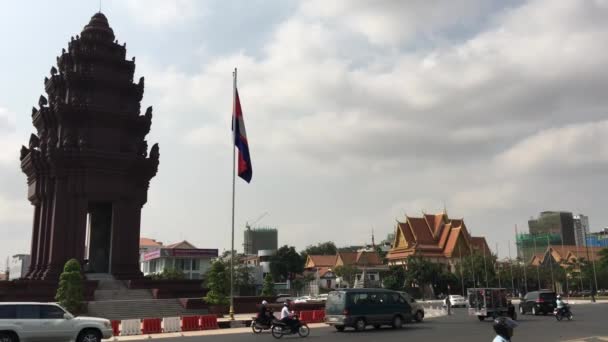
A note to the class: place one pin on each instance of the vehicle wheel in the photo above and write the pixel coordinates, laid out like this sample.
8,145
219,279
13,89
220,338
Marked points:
481,318
397,322
255,328
558,316
419,316
340,328
534,312
303,331
570,317
377,326
277,331
360,324
4,337
521,310
89,336
545,313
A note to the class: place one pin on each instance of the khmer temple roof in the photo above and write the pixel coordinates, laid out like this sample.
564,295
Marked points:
435,236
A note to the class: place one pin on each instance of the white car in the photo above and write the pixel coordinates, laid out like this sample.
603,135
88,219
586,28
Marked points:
40,322
417,308
457,301
304,299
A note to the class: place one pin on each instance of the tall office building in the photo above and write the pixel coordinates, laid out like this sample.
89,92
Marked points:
581,228
554,222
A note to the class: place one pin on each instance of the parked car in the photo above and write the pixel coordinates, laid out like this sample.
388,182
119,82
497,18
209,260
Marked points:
457,301
322,297
417,308
359,308
303,299
36,322
537,302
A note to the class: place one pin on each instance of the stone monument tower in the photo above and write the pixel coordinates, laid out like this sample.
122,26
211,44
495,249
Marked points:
87,166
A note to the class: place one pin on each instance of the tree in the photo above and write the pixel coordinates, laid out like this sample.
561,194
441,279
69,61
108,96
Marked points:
169,274
70,293
323,248
286,263
268,287
347,273
394,279
603,263
218,282
243,279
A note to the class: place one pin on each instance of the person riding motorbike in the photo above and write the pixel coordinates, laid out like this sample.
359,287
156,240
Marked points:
264,314
286,316
503,326
561,305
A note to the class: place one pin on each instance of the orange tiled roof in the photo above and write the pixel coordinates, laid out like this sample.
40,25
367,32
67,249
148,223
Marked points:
434,236
321,261
146,242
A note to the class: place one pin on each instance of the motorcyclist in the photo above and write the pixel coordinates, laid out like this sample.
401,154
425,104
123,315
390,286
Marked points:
562,307
503,326
286,316
264,314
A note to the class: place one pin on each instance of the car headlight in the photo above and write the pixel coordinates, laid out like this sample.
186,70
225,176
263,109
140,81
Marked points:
107,324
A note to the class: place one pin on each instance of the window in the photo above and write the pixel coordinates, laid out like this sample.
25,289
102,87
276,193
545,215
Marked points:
28,312
196,265
360,298
372,277
51,312
8,312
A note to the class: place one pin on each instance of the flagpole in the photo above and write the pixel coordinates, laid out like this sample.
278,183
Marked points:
233,195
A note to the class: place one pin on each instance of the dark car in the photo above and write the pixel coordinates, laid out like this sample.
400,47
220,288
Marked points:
537,302
359,308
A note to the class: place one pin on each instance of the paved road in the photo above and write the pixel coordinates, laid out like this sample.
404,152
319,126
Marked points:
590,320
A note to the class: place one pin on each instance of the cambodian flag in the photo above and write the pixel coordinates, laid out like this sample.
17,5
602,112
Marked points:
240,141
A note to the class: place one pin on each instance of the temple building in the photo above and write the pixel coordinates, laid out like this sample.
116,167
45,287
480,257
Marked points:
437,238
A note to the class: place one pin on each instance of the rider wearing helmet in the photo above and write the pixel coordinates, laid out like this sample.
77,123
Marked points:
503,326
264,314
286,315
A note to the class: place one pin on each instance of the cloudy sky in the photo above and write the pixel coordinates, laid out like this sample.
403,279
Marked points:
358,112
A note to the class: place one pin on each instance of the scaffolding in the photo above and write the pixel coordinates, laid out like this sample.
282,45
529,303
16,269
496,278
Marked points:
530,244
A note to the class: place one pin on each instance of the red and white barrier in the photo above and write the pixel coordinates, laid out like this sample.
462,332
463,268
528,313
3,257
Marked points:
172,324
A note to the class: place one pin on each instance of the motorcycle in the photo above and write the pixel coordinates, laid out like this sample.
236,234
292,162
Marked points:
259,324
280,329
563,313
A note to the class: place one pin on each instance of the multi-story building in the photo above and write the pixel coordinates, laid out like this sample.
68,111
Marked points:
581,228
20,264
182,256
257,239
598,239
554,222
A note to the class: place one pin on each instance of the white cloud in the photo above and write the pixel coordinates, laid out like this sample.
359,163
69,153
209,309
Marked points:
163,14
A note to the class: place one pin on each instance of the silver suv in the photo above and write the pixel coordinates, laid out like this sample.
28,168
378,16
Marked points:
47,322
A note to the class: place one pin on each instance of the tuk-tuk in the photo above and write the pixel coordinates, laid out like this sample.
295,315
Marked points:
490,302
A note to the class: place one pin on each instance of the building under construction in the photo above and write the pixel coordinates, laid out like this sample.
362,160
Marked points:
529,245
257,239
